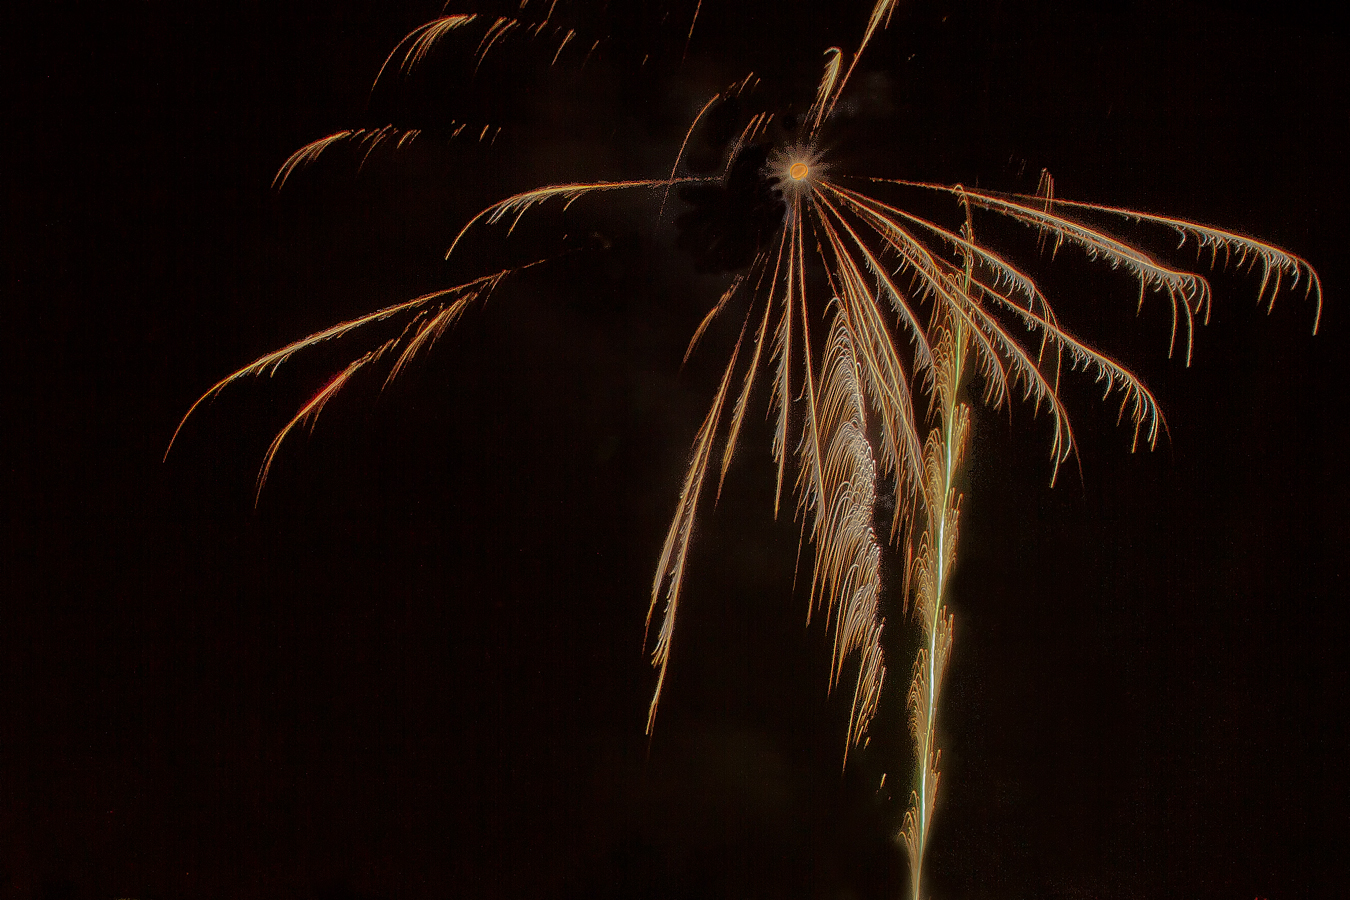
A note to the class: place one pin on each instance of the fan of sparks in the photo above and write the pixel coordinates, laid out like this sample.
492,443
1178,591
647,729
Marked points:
846,314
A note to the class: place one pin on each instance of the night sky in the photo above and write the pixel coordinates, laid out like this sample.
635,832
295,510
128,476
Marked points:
416,669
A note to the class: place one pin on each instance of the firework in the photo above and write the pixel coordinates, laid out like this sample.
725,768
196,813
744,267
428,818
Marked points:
912,303
856,304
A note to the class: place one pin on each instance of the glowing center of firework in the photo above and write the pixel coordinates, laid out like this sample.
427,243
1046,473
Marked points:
799,170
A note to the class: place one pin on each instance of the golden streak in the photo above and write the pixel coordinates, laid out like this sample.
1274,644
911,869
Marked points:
306,155
420,41
518,204
434,311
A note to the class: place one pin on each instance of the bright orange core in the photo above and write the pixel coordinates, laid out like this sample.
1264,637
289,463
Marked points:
798,171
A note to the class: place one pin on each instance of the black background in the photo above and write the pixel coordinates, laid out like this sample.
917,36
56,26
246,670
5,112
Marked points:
415,669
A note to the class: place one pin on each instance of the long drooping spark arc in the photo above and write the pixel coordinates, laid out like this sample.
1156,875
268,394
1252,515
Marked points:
742,401
424,310
519,204
272,361
675,552
1273,259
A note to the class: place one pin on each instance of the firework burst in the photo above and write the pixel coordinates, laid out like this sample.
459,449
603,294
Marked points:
868,324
